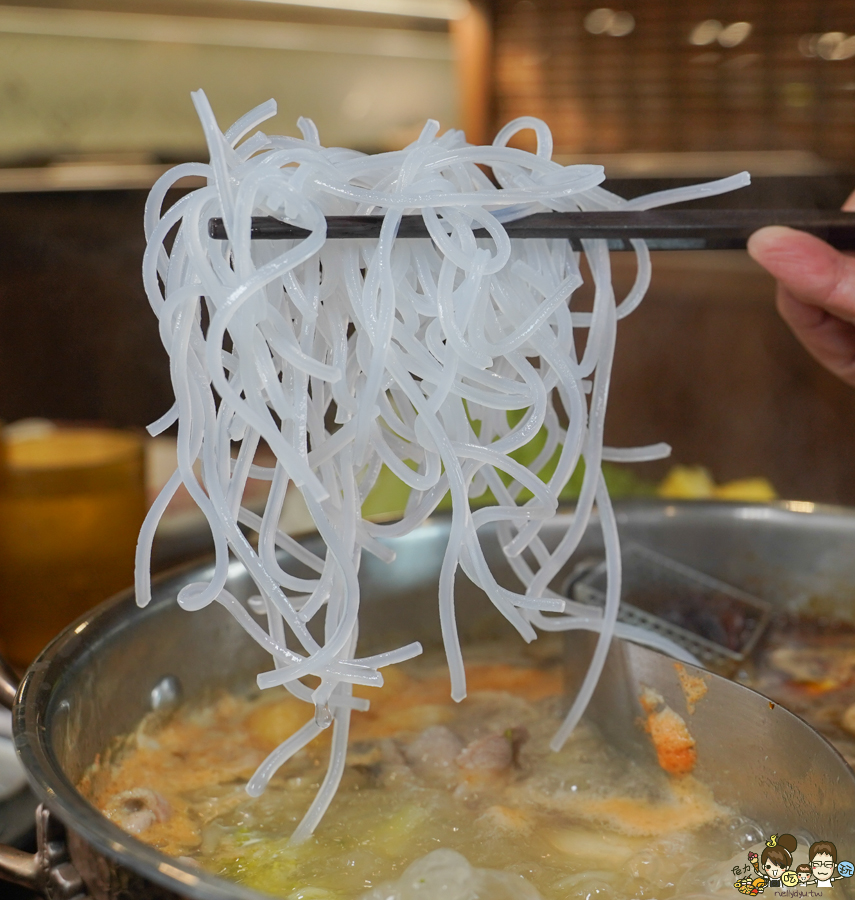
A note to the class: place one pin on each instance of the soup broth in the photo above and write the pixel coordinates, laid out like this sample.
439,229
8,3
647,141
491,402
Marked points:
807,664
452,800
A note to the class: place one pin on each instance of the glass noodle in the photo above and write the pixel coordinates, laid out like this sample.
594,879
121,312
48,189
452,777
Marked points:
436,358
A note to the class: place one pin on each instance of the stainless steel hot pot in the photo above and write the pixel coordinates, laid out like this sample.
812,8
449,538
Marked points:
95,682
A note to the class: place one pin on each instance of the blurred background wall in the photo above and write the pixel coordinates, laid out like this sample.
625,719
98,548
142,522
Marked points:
695,76
94,104
117,80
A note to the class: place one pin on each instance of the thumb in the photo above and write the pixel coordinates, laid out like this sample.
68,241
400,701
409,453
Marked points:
811,271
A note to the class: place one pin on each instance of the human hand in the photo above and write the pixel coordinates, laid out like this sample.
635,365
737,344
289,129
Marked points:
816,292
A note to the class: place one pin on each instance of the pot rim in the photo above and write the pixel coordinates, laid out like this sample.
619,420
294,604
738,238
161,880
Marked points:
80,640
49,782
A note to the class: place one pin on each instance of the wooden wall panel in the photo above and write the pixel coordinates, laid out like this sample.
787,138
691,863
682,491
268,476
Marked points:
652,90
706,365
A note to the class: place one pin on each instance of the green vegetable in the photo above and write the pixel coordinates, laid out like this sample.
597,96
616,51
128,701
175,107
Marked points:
389,495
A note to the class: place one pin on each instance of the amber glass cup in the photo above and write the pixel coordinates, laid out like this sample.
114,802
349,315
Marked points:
71,504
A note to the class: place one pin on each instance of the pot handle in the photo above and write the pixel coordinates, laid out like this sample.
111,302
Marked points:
48,871
8,684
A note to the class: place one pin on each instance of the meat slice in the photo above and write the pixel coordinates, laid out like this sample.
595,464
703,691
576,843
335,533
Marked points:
137,810
495,752
433,753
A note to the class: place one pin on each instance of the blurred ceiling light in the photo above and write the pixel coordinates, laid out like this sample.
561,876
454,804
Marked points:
607,21
598,20
826,44
622,24
705,32
734,34
845,49
832,45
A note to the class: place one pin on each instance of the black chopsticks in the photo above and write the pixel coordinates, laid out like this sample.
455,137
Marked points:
680,229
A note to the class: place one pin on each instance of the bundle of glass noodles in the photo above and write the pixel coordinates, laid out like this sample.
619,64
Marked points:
436,358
